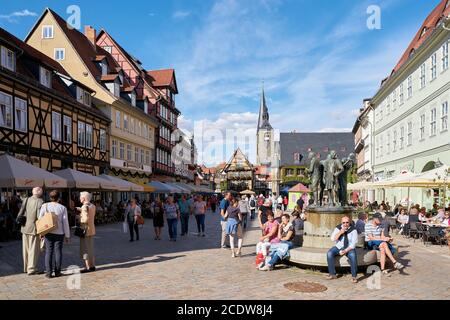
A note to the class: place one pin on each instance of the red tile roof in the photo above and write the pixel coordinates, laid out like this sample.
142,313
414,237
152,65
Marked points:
427,28
162,78
86,49
109,77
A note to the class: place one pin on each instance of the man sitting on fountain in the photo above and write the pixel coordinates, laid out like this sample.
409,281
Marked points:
376,239
346,237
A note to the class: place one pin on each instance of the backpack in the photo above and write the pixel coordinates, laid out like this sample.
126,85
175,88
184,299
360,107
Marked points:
252,203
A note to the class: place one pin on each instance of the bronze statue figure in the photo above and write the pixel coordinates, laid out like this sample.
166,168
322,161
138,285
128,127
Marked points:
347,164
315,176
332,169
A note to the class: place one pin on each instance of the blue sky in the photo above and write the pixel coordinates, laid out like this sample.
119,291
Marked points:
318,61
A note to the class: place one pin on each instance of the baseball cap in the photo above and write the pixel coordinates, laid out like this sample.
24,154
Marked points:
378,216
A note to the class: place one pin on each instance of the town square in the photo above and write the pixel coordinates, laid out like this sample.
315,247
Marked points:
225,150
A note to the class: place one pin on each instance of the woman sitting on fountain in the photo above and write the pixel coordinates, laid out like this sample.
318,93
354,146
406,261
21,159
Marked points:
280,251
270,232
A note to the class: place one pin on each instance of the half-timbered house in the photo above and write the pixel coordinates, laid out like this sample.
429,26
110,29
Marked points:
132,129
46,117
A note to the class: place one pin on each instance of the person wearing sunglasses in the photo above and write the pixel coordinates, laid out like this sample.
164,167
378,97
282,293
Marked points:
345,237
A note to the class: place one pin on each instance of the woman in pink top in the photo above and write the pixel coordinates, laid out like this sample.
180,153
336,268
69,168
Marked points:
270,233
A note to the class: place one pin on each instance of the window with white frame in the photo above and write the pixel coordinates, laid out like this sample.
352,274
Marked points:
20,117
47,32
388,145
377,151
381,146
125,122
394,100
402,95
445,56
388,105
423,76
142,156
8,59
381,115
434,66
410,88
45,77
147,157
60,54
81,134
422,127
89,136
114,149
410,133
444,116
129,152
136,154
122,151
83,96
132,125
139,130
433,126
117,119
394,142
102,140
402,138
67,129
56,126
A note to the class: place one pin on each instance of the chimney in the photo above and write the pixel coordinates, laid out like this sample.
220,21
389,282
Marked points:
90,33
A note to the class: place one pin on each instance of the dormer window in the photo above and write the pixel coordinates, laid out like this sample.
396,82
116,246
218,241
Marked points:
424,30
145,106
121,76
133,98
83,96
108,49
104,67
45,77
8,59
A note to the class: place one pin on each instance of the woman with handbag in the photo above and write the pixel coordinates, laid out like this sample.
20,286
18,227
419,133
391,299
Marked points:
86,232
131,213
54,240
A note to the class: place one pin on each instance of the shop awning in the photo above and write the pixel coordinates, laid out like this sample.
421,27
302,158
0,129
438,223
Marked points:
80,180
16,173
123,185
145,188
185,189
162,187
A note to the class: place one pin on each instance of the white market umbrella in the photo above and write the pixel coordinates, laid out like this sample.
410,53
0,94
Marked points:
80,180
122,185
16,173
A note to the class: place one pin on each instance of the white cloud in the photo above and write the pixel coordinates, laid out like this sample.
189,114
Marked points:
17,14
181,14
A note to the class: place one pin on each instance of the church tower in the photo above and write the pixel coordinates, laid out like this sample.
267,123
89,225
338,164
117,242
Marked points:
264,135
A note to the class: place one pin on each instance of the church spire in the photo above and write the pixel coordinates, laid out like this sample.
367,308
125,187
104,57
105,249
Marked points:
263,119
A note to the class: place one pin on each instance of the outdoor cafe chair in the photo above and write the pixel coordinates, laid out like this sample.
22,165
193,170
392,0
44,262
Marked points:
421,229
412,230
433,234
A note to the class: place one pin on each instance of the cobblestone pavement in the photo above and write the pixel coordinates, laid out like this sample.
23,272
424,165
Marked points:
195,268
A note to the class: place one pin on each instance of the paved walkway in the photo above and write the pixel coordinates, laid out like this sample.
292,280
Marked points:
194,268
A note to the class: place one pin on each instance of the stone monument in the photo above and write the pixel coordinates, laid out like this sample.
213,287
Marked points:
323,216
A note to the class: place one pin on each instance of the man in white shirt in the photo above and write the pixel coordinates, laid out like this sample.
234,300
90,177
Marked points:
345,236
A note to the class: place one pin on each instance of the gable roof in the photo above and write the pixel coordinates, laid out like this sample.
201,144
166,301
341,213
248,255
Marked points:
162,78
425,31
238,161
32,52
321,143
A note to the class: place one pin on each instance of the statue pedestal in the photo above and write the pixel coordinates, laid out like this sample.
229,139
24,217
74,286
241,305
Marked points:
317,239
